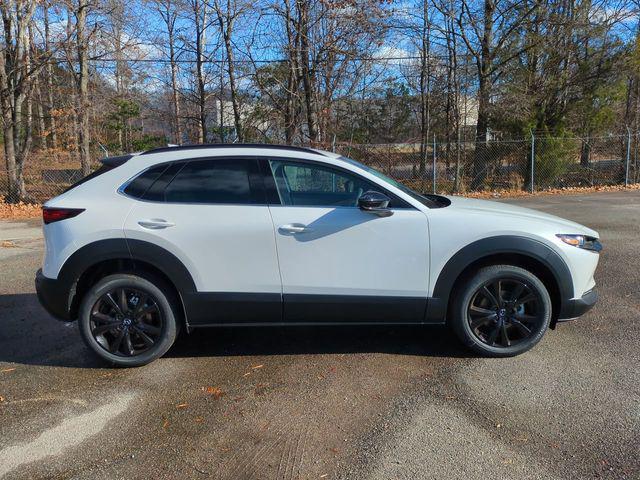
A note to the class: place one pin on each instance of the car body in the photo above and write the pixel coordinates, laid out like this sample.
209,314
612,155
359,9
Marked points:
273,235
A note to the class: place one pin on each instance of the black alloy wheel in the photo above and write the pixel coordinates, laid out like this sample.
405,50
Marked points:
500,310
504,312
126,321
130,319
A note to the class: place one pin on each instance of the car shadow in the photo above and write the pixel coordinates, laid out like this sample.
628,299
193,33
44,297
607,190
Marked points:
436,341
30,336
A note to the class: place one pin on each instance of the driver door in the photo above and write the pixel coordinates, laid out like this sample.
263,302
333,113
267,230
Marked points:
337,262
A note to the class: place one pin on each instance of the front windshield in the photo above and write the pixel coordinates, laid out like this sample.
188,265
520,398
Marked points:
430,201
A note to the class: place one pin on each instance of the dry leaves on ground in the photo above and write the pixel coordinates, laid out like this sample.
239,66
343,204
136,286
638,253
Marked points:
215,392
552,191
18,211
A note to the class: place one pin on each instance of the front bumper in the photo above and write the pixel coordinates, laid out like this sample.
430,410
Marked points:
578,306
53,296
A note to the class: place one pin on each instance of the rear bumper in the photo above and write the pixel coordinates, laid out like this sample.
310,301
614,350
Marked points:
53,296
578,306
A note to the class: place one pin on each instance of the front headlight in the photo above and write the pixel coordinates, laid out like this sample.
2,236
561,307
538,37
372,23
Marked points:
581,241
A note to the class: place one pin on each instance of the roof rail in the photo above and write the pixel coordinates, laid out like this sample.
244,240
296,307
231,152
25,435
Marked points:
231,145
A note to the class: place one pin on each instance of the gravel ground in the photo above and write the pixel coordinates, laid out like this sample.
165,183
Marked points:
327,402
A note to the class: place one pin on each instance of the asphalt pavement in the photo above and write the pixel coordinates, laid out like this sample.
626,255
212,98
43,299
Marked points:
330,402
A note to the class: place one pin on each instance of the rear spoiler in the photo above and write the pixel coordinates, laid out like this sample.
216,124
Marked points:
113,162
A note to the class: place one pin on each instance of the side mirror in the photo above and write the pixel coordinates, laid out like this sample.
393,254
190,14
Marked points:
375,202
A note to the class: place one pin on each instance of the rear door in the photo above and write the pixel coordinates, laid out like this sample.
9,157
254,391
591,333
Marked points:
211,214
339,263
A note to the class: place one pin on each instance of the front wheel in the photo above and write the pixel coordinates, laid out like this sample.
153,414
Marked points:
501,311
128,320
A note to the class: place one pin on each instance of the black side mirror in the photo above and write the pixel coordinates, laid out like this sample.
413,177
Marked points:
375,202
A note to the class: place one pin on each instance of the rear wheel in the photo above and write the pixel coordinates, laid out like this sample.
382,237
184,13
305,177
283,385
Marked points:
501,311
128,320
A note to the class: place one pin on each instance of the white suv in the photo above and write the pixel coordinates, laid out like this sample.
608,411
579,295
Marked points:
247,235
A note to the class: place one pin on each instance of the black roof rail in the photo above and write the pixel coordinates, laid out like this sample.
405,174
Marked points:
116,161
231,145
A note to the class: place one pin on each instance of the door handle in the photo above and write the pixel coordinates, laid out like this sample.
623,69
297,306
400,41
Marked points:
293,228
155,224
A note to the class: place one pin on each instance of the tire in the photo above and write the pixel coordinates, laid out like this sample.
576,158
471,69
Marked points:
501,311
106,323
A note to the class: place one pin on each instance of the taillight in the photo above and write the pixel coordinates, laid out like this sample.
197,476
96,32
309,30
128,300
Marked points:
52,214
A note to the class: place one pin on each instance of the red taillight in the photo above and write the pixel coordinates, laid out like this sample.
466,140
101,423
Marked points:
52,214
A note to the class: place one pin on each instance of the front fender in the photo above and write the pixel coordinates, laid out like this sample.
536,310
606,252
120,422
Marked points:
503,244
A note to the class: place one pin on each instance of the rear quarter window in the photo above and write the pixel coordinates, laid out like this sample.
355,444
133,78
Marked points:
139,186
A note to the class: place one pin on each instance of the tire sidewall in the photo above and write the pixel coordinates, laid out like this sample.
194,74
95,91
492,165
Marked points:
463,298
111,282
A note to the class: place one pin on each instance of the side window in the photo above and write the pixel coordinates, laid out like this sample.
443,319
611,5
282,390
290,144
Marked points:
307,184
138,186
211,181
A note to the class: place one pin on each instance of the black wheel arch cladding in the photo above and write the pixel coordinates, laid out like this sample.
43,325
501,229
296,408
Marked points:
492,246
128,249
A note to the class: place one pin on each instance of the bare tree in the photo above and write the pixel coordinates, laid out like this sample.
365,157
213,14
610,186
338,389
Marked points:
49,77
227,13
79,10
488,32
168,11
17,72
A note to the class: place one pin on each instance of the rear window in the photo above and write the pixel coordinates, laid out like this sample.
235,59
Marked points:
108,163
91,176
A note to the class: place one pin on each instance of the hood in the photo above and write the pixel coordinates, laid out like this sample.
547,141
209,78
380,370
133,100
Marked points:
505,209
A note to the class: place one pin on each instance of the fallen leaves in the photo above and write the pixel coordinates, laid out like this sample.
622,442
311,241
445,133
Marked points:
1,399
552,191
8,244
215,392
19,210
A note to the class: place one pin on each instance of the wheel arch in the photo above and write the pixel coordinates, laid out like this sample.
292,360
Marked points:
99,259
528,253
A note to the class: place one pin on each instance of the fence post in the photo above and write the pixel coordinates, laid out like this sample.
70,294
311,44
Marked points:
626,168
434,163
533,160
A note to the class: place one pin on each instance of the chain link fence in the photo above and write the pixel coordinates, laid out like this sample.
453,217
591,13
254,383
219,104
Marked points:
533,164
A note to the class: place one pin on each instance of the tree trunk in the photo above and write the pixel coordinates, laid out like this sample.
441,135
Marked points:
425,87
308,73
293,80
232,84
15,83
49,79
84,137
200,9
485,64
585,152
174,87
